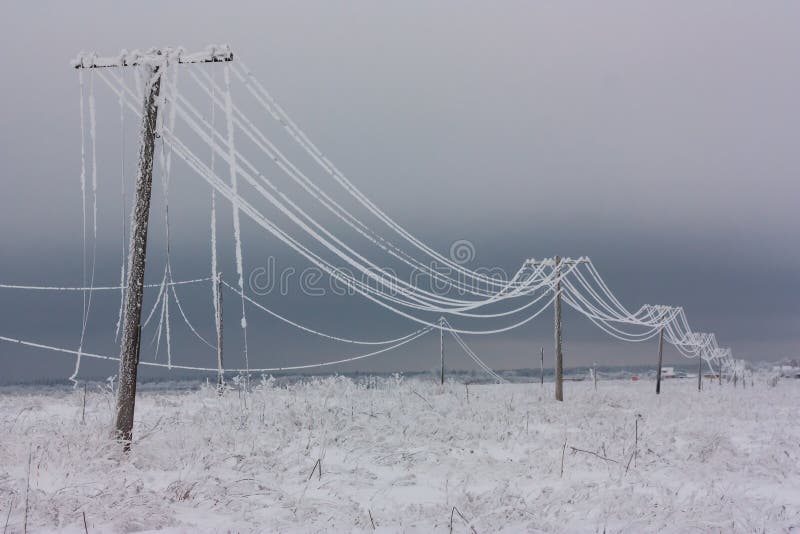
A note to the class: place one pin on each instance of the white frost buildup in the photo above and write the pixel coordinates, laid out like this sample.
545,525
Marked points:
237,232
406,453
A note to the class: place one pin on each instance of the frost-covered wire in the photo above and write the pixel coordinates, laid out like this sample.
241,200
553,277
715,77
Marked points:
96,288
88,302
123,258
214,369
471,353
237,231
282,162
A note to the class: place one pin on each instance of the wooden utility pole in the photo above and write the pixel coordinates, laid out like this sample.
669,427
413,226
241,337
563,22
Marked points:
153,63
220,364
541,368
557,314
132,326
441,345
660,359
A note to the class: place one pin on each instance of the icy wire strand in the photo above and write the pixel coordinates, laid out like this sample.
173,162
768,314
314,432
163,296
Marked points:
255,215
216,276
371,268
369,272
272,200
299,136
583,306
83,181
166,103
611,330
197,169
97,288
83,210
121,312
477,360
214,369
311,330
472,354
275,110
205,138
243,205
654,322
664,316
237,232
280,160
88,303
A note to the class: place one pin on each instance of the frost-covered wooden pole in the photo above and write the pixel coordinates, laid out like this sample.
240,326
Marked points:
220,363
441,346
132,327
152,64
557,314
660,359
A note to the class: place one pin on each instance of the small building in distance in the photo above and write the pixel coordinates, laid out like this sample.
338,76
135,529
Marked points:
667,372
788,371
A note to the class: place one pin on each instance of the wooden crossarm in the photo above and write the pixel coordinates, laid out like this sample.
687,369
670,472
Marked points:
154,56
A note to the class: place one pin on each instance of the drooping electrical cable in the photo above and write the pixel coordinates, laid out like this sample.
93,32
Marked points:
581,286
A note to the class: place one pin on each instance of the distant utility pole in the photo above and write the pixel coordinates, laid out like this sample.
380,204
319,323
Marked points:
559,355
220,363
660,359
441,345
557,262
153,63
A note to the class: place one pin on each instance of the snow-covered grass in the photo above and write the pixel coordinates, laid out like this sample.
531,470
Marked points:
402,456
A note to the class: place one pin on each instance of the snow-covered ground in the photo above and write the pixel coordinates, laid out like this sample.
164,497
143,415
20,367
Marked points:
402,456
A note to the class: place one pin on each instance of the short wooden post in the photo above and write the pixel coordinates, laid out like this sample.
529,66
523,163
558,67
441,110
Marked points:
541,363
700,374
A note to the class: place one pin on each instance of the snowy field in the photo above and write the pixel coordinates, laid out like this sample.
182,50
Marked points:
401,456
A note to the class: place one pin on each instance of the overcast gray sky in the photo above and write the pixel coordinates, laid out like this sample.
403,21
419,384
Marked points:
659,138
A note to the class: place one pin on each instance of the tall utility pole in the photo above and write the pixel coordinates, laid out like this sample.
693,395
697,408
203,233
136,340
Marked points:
557,262
220,364
441,344
132,327
153,64
557,314
660,359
